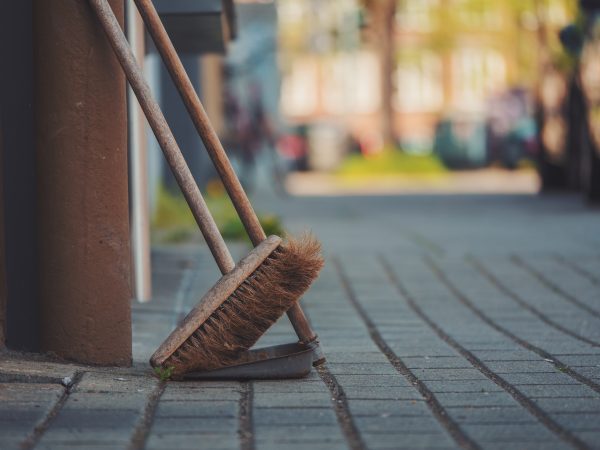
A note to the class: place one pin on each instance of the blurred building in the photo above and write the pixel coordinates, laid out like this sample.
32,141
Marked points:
450,56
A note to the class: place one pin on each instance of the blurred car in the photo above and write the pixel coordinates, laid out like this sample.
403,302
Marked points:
461,141
569,110
512,131
292,147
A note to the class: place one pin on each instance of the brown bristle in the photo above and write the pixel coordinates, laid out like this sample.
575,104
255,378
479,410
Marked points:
256,304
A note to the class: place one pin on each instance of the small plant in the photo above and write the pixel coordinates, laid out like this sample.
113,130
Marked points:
164,373
173,222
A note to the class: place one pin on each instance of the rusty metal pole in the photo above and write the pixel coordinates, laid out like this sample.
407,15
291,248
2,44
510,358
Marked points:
81,120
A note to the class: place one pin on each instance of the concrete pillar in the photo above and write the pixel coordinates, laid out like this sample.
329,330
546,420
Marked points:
81,119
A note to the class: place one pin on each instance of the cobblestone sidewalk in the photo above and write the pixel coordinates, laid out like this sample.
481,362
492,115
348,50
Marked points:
464,322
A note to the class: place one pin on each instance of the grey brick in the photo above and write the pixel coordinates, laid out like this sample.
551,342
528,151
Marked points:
278,400
197,408
192,441
291,416
490,415
476,399
448,374
209,425
480,385
576,404
383,393
389,408
408,440
579,421
366,380
560,390
508,432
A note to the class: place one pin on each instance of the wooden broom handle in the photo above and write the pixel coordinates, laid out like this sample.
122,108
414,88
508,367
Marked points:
213,146
163,134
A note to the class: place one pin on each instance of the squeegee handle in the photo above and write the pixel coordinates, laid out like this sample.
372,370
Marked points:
213,146
163,134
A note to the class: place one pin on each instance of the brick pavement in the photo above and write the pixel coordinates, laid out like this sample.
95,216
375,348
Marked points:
467,322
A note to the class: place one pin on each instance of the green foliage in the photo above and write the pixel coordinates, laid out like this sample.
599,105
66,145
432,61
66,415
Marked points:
171,211
164,373
391,162
174,223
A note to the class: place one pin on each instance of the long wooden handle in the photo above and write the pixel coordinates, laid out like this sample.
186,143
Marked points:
163,134
213,146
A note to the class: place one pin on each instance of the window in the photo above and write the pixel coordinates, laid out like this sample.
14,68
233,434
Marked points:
299,88
476,74
419,84
351,83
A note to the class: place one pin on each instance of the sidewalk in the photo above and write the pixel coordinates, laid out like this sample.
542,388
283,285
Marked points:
449,322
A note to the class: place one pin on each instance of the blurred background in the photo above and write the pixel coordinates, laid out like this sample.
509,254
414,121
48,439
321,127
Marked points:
371,97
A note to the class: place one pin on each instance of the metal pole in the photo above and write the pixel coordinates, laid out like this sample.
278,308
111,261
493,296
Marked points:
138,160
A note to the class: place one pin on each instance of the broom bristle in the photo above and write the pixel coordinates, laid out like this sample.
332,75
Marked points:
256,304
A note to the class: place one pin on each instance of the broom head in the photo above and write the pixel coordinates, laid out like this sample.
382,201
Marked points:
241,306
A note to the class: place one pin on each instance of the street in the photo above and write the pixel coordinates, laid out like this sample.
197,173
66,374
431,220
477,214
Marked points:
454,321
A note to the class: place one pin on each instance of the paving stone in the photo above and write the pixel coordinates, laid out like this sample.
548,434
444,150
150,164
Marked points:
109,401
87,444
389,408
181,394
448,374
508,432
197,408
352,357
362,369
17,367
397,424
428,362
194,424
560,390
283,388
9,443
504,367
191,441
592,438
449,386
505,355
537,378
476,399
291,416
408,440
577,404
490,415
579,421
296,432
291,400
382,393
118,437
303,446
554,444
395,380
91,419
115,382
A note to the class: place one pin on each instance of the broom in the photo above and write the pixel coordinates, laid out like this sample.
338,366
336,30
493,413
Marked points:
219,157
251,296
